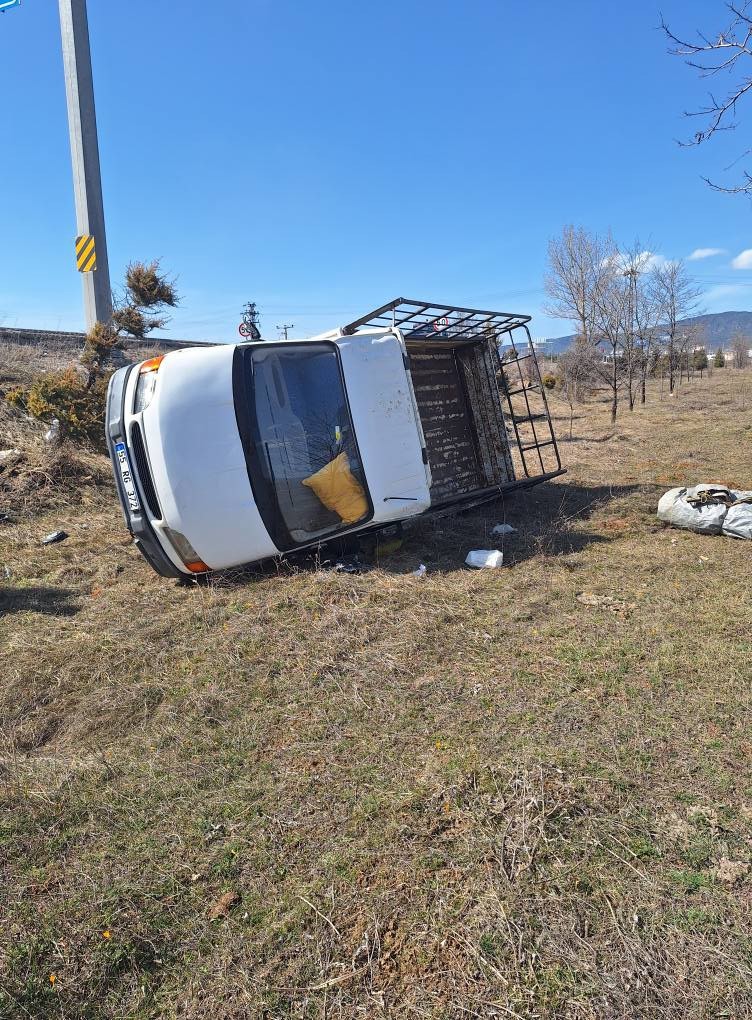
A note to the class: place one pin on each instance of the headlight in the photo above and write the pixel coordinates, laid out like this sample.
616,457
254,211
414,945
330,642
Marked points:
147,381
186,552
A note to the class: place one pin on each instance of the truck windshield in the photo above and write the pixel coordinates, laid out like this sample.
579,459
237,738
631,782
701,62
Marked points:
300,424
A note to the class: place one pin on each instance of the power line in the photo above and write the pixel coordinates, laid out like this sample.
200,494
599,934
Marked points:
250,324
285,326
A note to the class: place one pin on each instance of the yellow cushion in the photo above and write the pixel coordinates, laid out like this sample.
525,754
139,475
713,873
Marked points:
339,490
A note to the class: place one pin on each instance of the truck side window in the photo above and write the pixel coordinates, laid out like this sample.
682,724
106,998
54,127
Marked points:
302,424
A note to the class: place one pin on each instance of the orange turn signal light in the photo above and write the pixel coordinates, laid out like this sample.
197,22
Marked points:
197,567
152,365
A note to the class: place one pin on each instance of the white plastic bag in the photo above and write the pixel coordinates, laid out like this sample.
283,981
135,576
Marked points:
503,529
481,559
706,518
738,520
666,503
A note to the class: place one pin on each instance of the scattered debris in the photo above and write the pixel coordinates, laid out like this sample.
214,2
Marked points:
614,605
52,435
706,816
480,559
213,831
351,565
503,529
55,536
730,872
224,904
421,571
6,455
710,509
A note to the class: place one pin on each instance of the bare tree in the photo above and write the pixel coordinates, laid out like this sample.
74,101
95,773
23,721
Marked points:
584,285
677,298
612,326
709,56
740,348
630,350
578,267
691,337
577,370
640,341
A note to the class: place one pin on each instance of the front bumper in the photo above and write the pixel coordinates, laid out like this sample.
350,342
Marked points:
136,521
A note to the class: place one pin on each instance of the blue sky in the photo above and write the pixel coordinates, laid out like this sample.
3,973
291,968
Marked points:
323,157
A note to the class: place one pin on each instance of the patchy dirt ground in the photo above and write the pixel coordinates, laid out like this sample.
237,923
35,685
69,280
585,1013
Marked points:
517,793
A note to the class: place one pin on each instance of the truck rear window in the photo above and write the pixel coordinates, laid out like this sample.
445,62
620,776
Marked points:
299,423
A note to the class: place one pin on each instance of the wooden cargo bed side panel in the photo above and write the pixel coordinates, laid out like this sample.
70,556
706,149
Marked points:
442,404
479,366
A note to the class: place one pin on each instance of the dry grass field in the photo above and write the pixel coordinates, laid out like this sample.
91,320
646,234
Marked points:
522,793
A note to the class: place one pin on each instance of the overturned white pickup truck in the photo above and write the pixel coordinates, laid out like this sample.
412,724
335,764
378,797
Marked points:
232,454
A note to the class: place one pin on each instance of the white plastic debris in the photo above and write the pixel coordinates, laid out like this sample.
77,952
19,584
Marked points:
421,571
54,536
481,559
503,529
52,435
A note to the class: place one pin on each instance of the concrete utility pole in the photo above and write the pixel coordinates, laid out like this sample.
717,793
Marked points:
285,327
87,181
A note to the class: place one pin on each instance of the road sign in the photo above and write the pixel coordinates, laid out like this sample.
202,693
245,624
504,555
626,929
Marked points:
86,253
441,323
248,329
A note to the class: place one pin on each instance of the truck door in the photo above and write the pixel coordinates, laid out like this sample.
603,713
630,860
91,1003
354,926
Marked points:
386,423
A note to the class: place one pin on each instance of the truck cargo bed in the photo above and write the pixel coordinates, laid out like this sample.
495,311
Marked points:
447,429
481,402
460,411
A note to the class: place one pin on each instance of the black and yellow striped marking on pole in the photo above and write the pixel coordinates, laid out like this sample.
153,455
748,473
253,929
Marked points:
86,253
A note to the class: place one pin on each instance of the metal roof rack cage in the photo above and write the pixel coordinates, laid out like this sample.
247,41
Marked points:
521,390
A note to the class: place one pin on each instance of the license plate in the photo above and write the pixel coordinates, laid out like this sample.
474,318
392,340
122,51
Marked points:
127,475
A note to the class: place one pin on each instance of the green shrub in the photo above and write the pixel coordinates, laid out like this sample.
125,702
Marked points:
699,360
76,396
78,405
549,380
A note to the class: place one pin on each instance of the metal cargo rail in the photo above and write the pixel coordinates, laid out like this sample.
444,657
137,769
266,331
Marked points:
512,372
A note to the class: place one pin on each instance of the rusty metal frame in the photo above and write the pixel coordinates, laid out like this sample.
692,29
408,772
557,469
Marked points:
548,437
416,319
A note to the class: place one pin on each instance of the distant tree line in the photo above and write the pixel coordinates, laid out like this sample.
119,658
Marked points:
628,309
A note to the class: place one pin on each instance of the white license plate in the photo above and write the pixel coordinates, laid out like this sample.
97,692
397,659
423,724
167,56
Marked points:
127,475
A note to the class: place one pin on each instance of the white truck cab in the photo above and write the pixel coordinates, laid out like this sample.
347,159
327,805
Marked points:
233,454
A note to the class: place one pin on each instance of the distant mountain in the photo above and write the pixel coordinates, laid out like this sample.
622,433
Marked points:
555,345
718,327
